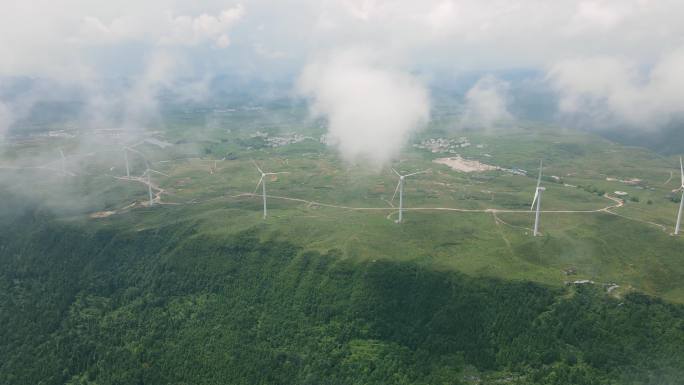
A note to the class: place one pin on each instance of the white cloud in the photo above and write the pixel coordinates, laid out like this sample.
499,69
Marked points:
135,104
62,39
83,41
600,14
610,88
165,29
486,103
187,30
464,34
84,44
141,99
263,51
371,109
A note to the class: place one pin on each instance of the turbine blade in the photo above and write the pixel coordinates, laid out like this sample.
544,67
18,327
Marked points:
258,184
681,169
395,171
536,195
136,145
276,173
540,174
257,166
419,172
395,191
137,152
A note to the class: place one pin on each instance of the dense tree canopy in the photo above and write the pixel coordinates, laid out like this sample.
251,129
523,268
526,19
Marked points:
170,306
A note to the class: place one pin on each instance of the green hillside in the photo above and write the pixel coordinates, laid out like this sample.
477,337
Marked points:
97,287
173,305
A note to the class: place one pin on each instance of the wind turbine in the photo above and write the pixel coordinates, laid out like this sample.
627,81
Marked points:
681,201
262,182
147,173
400,189
537,198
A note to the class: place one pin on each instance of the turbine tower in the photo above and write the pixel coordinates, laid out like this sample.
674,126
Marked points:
681,200
262,182
400,189
128,170
537,198
149,185
147,173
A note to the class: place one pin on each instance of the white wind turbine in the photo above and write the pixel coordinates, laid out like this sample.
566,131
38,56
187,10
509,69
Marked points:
681,201
262,182
400,189
147,173
537,198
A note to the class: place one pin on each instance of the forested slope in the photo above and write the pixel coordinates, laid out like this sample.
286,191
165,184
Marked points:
99,305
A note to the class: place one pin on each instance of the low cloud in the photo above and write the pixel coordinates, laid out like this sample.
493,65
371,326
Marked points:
615,90
135,105
597,15
142,99
486,103
162,29
115,64
193,30
371,108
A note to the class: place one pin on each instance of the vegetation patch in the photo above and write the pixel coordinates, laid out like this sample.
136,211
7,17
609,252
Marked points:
172,305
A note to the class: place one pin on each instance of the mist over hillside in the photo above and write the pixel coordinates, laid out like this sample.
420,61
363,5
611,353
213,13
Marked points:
527,97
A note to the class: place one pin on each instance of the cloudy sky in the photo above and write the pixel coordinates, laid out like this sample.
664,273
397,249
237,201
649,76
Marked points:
43,37
614,59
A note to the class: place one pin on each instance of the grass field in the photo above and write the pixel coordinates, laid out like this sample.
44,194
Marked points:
325,204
